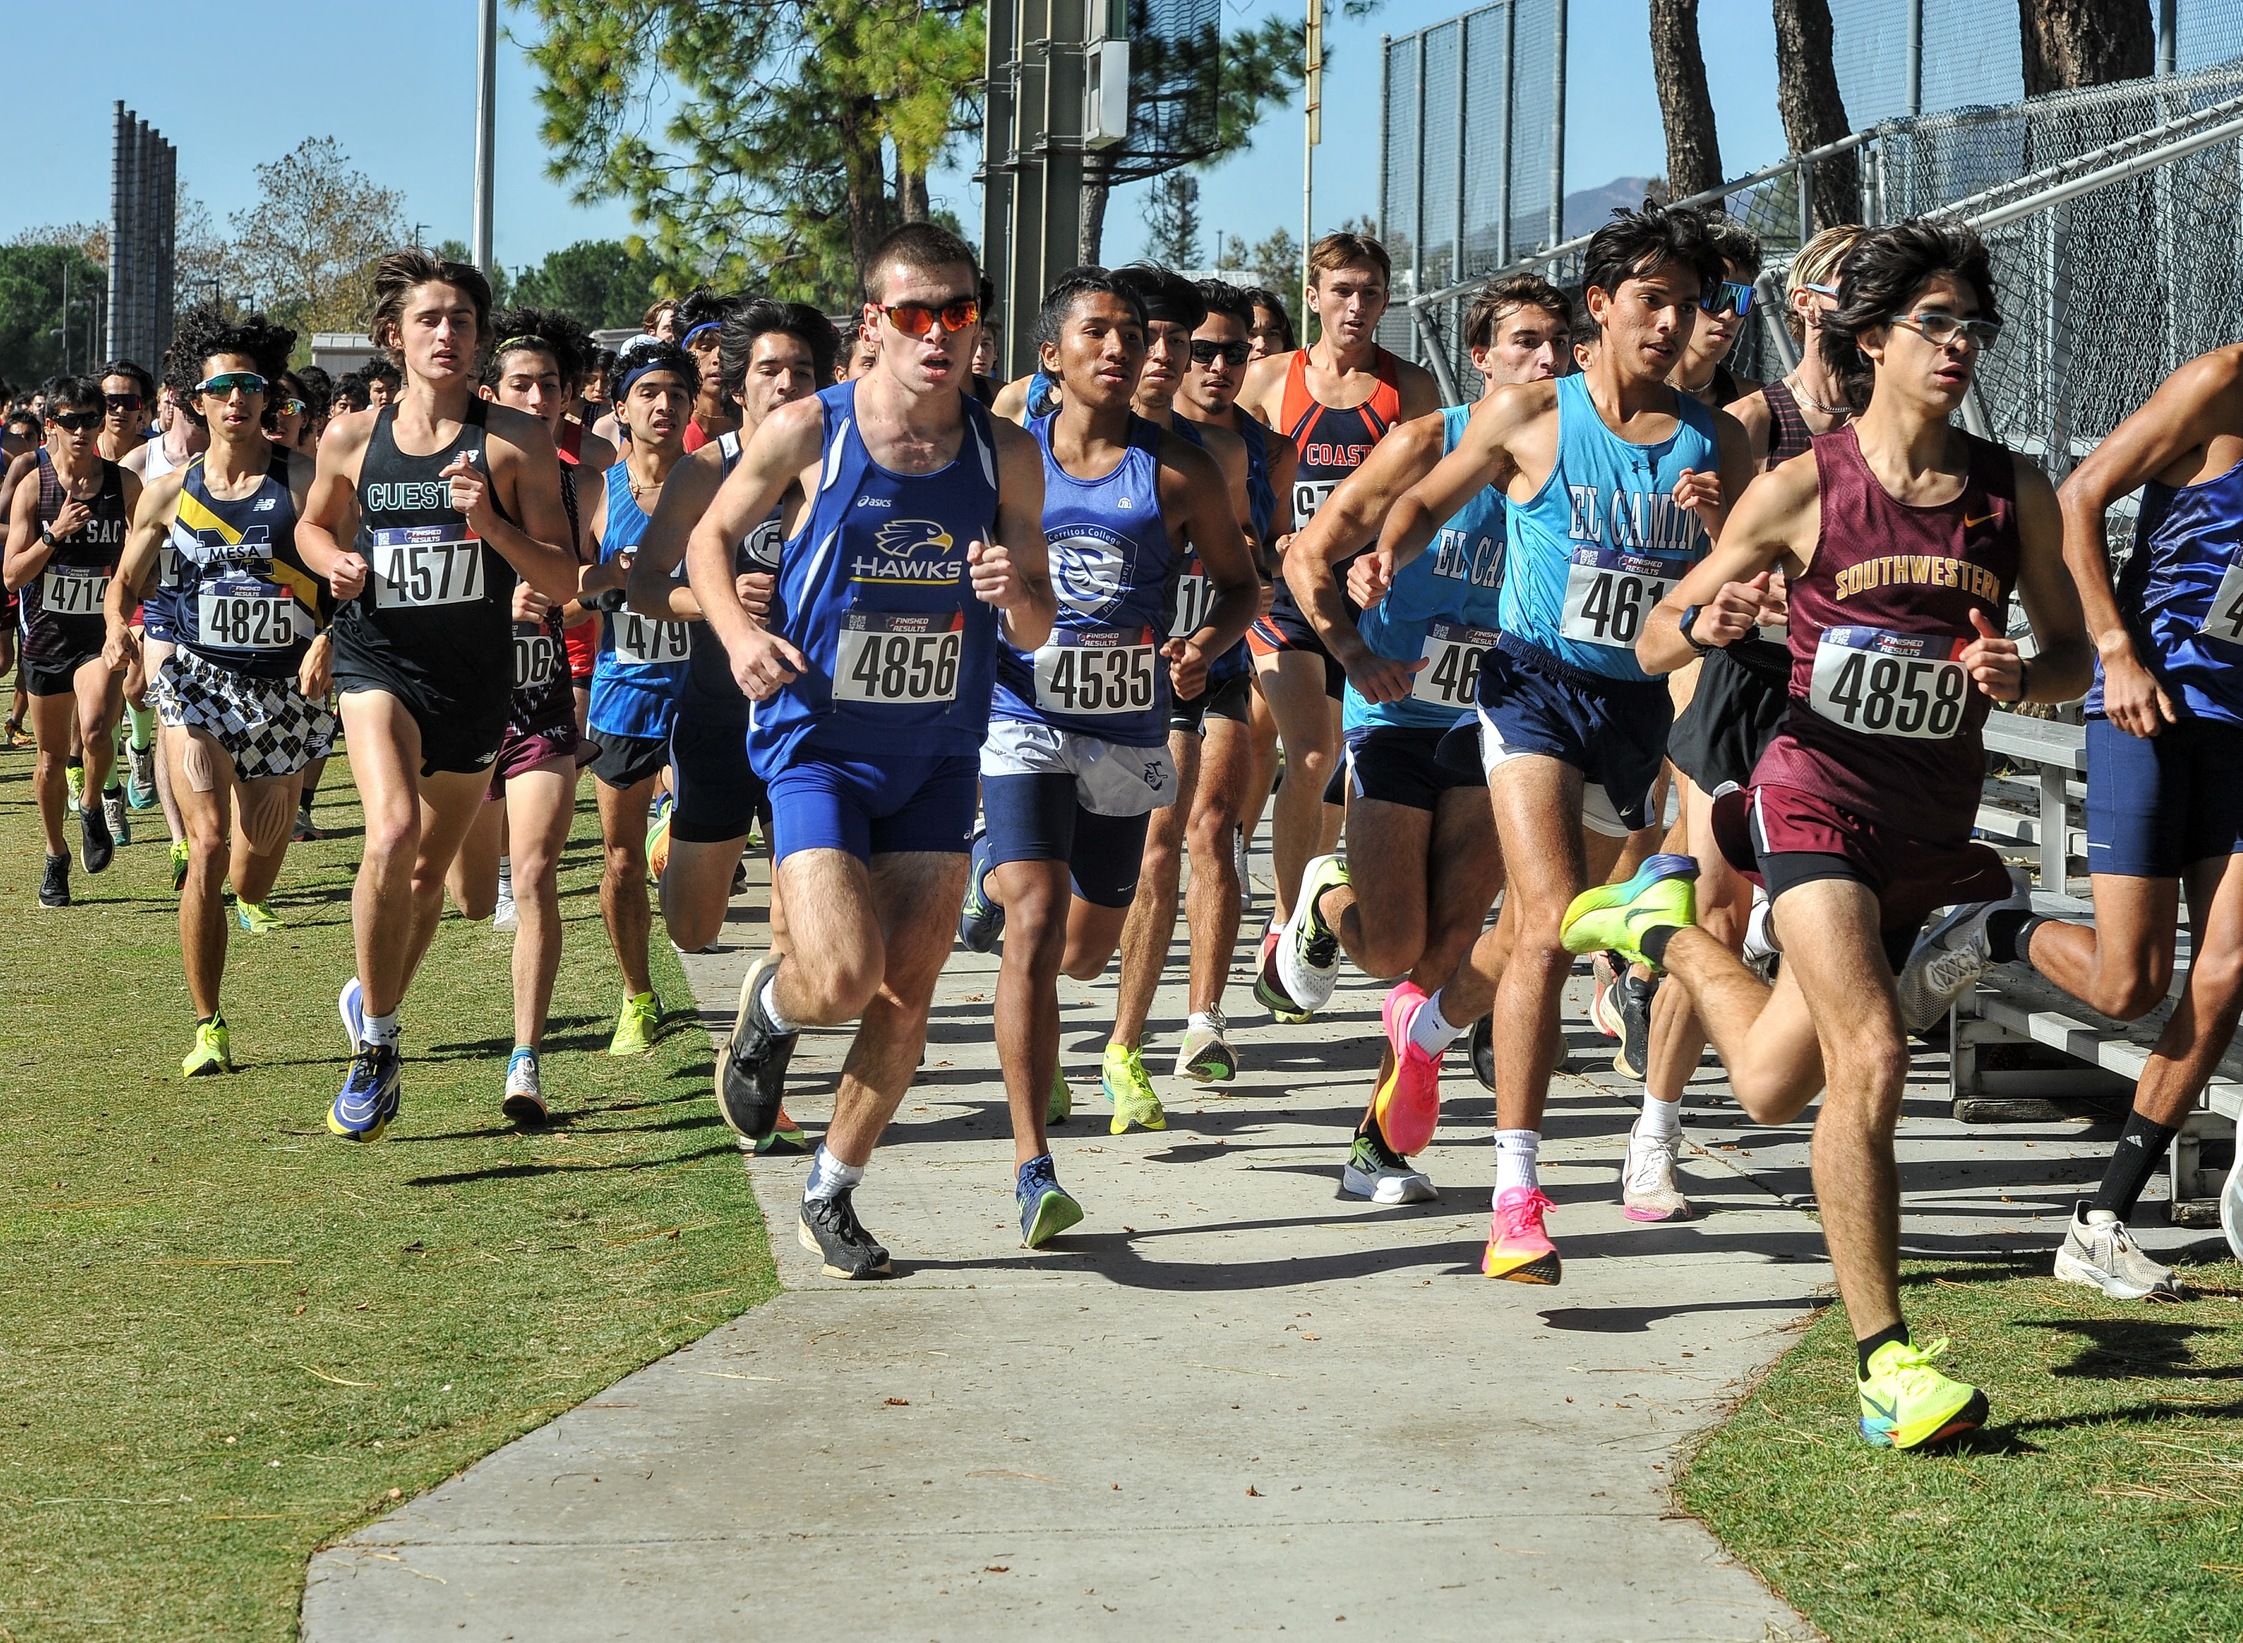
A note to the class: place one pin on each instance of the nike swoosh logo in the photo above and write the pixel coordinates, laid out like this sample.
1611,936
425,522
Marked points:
1970,524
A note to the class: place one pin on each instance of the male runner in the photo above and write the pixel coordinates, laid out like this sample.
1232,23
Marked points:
1335,400
1208,736
2164,792
1901,538
641,664
126,389
243,688
1741,695
1077,756
1272,330
1422,866
1704,367
179,440
1614,480
66,530
701,320
872,688
424,637
511,858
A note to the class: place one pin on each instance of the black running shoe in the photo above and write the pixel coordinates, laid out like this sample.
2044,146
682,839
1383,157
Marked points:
1483,1050
1633,995
829,1228
97,846
54,887
752,1072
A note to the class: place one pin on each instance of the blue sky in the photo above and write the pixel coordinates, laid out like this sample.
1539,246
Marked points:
395,85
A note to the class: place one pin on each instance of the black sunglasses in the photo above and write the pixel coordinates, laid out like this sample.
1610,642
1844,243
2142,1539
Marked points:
122,402
76,422
1230,353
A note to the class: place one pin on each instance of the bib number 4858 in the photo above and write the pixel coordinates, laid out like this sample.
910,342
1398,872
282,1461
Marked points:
1889,684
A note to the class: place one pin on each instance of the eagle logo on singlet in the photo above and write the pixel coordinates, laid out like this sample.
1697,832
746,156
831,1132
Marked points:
909,550
1092,570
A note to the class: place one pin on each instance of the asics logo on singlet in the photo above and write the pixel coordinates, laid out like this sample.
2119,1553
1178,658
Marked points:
909,550
1091,570
407,495
874,502
1641,521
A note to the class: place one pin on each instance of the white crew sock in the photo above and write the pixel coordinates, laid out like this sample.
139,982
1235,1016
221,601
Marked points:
381,1030
1514,1159
1660,1120
769,999
830,1177
1430,1030
505,876
1206,1021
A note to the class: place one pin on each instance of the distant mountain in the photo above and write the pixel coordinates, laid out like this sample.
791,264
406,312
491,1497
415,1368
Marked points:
1587,210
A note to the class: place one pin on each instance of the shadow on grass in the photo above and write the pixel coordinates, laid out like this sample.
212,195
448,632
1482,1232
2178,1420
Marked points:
520,1172
2128,1349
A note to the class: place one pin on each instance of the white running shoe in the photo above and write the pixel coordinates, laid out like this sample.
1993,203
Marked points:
2231,1206
2100,1252
1762,951
1647,1185
1308,952
1952,955
1373,1173
505,915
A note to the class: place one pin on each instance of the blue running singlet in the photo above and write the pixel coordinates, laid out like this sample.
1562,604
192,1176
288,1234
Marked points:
1100,673
2182,595
642,660
1444,606
873,591
1603,540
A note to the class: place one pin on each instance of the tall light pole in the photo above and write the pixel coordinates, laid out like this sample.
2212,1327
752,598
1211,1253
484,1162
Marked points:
1312,100
486,127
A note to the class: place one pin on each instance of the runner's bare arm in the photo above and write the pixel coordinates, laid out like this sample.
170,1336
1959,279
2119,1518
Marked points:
1483,456
2165,439
1193,493
2063,663
1014,572
1731,583
1229,452
1012,401
26,554
331,515
525,471
1261,392
1751,414
653,587
1284,464
1419,391
1710,495
786,445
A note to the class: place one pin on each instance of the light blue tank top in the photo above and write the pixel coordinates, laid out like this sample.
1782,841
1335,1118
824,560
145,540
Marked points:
1444,606
873,591
2182,595
1101,673
641,664
1603,541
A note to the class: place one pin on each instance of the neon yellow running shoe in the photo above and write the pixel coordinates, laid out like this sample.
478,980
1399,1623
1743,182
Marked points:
1615,915
179,855
658,838
1122,1076
212,1053
1906,1403
1062,1104
74,777
636,1027
257,917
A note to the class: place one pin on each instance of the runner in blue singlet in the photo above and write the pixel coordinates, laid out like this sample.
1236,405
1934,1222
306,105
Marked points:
919,544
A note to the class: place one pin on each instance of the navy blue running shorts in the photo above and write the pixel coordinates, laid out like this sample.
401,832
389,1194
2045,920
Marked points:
894,806
2157,805
1040,818
1614,731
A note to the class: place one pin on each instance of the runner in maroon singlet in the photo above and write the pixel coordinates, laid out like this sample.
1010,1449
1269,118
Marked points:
1901,538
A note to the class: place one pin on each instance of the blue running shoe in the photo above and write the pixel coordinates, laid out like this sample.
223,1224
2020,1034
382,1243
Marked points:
980,921
369,1096
1045,1209
351,1005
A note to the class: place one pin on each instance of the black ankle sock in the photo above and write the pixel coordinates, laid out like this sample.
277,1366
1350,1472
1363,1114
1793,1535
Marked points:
1653,943
2133,1161
2009,934
1898,1332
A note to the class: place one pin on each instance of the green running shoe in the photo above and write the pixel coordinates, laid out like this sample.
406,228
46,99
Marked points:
786,1139
1205,1056
257,917
179,854
1062,1104
1122,1077
1615,915
636,1027
1045,1208
74,778
1906,1403
212,1053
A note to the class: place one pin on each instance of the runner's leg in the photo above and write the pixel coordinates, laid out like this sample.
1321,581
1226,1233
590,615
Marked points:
623,904
1293,685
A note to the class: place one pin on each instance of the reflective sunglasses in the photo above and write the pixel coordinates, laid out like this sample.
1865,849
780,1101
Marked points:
916,319
76,422
122,402
292,407
1729,297
1230,353
225,382
1941,329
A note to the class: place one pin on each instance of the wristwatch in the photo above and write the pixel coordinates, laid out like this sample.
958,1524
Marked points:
1689,620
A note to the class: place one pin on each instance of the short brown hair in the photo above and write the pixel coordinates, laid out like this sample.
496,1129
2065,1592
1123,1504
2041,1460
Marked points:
1343,250
1498,298
653,316
922,246
401,273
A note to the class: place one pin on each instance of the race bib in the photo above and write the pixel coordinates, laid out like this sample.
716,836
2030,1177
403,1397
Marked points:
1890,684
537,660
647,641
167,565
1451,675
1308,496
1192,600
67,592
416,566
886,659
1097,671
2224,621
242,613
1608,593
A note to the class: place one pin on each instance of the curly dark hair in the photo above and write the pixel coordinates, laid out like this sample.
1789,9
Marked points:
207,331
544,330
700,307
663,356
1881,275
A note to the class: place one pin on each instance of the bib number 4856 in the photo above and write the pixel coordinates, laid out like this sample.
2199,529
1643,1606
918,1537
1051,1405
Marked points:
897,660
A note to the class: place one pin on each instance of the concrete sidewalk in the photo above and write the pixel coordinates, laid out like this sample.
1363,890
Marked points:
1230,1402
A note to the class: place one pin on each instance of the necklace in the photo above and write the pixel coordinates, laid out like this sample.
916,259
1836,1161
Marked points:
1812,403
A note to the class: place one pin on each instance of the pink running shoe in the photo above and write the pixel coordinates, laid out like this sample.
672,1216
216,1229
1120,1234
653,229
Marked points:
1518,1249
1408,1102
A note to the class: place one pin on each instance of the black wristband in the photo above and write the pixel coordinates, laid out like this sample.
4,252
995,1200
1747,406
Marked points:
1689,620
2024,680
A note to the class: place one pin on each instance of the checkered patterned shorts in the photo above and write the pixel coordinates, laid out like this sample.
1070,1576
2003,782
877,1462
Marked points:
266,724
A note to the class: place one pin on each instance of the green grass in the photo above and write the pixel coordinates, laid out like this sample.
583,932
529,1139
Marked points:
230,1337
2104,1500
